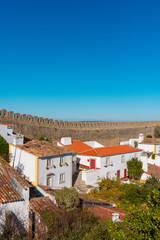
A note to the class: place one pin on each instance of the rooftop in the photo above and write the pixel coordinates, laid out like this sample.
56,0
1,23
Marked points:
7,191
42,203
6,124
44,148
83,149
48,190
154,170
106,213
13,173
150,141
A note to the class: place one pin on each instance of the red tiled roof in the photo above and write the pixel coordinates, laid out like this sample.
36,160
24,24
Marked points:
49,190
42,203
13,173
83,149
79,146
6,124
7,191
150,141
106,213
44,148
154,170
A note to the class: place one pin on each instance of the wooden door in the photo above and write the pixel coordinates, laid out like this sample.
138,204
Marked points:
92,164
118,173
125,173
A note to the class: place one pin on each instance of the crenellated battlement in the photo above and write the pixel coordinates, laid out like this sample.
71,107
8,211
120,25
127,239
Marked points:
35,120
107,133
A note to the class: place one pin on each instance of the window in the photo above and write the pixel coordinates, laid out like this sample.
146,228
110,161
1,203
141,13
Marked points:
135,155
122,158
109,175
62,160
49,162
49,181
61,178
108,161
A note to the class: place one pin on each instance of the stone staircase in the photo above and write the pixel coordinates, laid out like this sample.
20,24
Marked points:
78,183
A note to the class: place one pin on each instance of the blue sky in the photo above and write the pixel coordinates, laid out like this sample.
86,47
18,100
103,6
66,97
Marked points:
81,60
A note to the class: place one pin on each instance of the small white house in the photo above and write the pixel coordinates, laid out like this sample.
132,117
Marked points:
14,195
43,163
133,141
103,162
150,145
6,131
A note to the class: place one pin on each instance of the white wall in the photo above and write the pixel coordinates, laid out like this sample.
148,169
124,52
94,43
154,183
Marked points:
57,170
91,176
149,147
24,161
20,209
94,144
144,160
6,132
157,160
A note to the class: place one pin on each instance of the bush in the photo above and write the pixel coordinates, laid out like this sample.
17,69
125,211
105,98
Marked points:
67,198
44,138
157,132
134,168
153,156
71,225
4,149
135,144
149,136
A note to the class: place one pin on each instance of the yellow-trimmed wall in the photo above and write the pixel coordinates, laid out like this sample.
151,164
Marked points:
36,171
71,169
154,149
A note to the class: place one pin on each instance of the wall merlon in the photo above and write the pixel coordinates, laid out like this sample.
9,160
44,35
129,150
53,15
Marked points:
10,114
3,113
29,118
17,116
50,121
23,117
41,120
46,121
35,119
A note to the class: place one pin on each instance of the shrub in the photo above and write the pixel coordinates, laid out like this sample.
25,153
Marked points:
134,168
67,198
149,136
135,144
4,149
44,138
153,156
157,132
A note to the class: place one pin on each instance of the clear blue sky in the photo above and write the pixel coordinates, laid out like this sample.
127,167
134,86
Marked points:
81,59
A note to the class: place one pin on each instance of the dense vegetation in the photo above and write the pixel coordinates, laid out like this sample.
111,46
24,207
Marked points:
134,168
4,149
44,138
157,132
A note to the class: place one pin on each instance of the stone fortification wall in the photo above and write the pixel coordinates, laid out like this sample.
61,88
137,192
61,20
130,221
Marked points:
107,133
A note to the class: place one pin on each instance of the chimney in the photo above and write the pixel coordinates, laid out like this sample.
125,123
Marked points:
115,217
66,140
141,137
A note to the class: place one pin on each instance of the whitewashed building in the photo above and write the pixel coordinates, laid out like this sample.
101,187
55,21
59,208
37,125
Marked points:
14,195
101,162
6,131
43,163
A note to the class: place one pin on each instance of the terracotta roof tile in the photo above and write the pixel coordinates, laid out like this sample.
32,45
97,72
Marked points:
150,141
40,204
83,149
106,213
6,124
154,170
44,148
48,190
13,173
7,191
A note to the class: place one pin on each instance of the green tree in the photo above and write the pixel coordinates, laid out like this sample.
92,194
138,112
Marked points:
67,198
157,132
44,138
135,144
4,149
134,168
149,136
